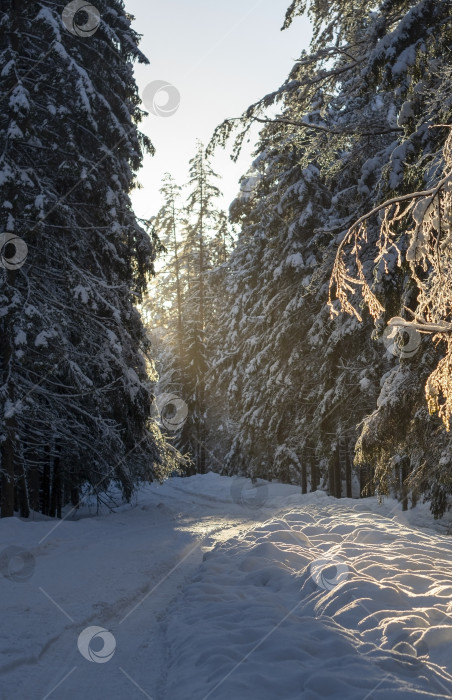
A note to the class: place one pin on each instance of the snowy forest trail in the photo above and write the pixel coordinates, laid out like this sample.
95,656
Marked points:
212,596
120,572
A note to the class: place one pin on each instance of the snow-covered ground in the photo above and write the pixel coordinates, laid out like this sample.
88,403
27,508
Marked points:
205,588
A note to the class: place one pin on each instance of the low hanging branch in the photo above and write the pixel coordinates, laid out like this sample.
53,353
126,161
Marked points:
429,250
306,77
375,131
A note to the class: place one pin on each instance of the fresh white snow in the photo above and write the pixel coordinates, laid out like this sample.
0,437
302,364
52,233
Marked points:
207,587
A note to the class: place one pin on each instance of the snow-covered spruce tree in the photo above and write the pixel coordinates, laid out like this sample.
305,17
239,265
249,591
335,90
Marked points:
261,333
74,389
165,298
183,303
204,223
408,445
283,368
165,313
347,134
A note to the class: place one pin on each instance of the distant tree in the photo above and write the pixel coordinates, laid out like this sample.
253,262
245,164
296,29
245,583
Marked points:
204,221
183,302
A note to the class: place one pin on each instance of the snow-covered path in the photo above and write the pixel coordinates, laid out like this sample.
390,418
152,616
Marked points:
121,572
209,596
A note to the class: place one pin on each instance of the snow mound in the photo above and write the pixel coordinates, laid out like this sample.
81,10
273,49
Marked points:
324,601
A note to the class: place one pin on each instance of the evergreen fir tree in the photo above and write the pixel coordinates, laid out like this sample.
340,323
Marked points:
75,392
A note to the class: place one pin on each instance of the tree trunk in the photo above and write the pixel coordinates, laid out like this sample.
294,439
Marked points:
404,474
337,473
55,495
7,463
348,470
34,477
314,476
7,447
331,486
45,487
23,505
304,476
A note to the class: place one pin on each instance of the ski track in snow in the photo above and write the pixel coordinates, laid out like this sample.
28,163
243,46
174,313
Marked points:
305,597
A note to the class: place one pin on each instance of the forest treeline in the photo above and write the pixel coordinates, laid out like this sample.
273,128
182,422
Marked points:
307,333
318,351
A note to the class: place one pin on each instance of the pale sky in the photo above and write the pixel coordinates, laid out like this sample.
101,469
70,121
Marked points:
221,57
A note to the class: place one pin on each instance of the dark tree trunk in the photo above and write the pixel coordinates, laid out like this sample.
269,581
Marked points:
45,486
22,494
314,476
398,480
55,496
304,476
7,463
348,470
33,477
404,474
202,458
33,488
337,473
7,447
331,485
